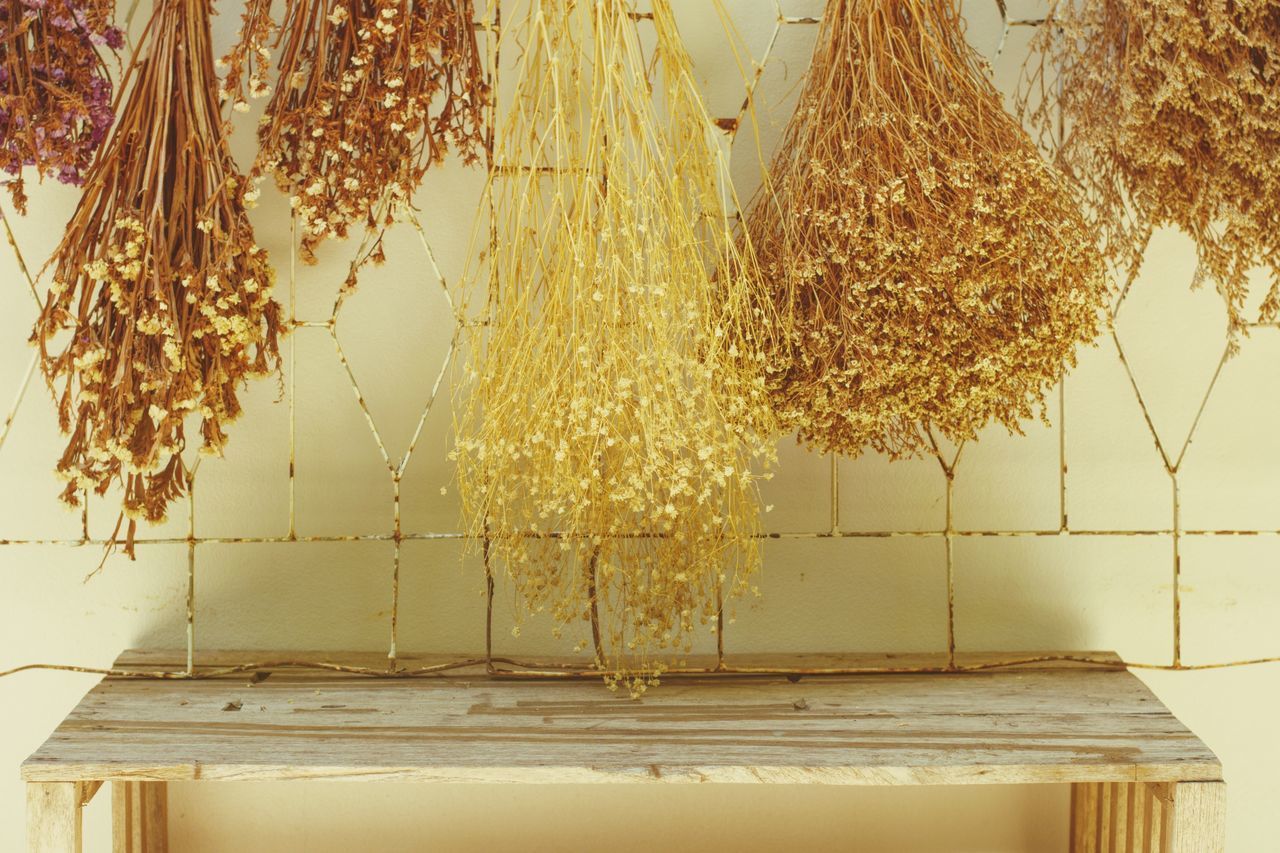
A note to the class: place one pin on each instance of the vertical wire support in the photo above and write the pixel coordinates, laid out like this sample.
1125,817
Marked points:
292,387
191,570
397,537
494,28
1177,571
949,535
488,604
1062,454
951,569
835,494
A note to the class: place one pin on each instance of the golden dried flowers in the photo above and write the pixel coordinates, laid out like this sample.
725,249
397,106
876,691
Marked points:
615,424
160,303
932,272
55,91
369,95
1167,112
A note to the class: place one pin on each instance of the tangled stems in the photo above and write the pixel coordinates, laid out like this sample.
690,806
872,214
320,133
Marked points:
1167,112
160,304
615,425
55,92
934,275
371,93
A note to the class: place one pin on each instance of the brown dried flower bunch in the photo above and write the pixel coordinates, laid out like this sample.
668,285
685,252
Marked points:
1167,112
934,274
370,94
160,304
615,426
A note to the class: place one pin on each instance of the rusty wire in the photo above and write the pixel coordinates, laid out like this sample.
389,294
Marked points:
1172,459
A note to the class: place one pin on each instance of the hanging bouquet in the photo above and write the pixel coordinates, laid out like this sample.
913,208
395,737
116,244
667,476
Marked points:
615,424
55,90
370,94
1167,112
932,273
160,304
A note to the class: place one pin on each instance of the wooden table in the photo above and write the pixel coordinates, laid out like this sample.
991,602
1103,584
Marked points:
1140,780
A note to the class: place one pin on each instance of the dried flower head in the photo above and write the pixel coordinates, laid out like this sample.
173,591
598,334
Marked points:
1167,112
932,272
369,95
160,304
615,426
55,92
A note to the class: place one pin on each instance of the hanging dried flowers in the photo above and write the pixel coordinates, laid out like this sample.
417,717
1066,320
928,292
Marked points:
371,93
55,92
1167,112
160,304
933,272
615,424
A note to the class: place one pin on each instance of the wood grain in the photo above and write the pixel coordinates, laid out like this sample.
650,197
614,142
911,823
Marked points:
1045,724
1199,817
1148,817
139,817
53,817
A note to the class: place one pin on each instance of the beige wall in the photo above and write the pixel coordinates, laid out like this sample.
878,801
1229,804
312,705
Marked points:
1056,592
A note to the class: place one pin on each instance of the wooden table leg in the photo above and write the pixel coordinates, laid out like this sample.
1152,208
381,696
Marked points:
139,817
1199,817
53,817
1148,817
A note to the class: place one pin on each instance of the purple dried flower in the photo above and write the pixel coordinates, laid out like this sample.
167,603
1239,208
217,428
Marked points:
55,91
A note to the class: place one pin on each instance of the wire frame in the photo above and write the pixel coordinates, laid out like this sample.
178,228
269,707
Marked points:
1172,456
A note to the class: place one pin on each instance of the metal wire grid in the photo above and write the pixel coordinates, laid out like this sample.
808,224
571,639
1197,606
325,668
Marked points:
1172,458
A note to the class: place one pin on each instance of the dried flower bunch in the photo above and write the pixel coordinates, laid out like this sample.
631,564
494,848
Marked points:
933,273
160,304
371,93
1167,112
55,91
615,428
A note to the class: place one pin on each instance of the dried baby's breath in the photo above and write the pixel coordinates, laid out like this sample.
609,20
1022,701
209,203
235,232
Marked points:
369,94
616,424
1167,112
933,273
160,305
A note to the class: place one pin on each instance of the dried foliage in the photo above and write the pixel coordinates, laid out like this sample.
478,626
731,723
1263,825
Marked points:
933,273
1167,112
160,305
370,94
55,91
615,426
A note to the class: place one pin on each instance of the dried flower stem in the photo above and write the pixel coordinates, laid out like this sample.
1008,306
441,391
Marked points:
160,305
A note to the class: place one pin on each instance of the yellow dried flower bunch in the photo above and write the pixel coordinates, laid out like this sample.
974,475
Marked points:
160,304
1167,112
615,423
370,94
933,273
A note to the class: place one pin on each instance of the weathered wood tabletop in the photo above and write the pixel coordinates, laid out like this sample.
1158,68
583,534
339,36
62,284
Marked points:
1044,723
1048,724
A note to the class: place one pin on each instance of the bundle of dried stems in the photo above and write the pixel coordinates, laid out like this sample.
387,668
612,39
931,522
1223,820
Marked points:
55,91
615,426
370,94
1167,112
934,274
160,305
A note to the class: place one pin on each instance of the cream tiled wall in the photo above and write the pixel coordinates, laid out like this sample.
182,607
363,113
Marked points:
1100,590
